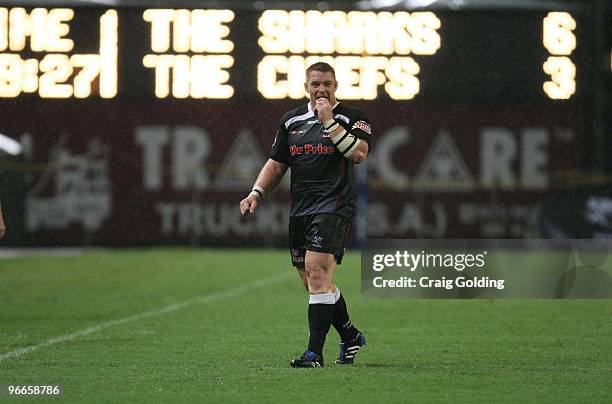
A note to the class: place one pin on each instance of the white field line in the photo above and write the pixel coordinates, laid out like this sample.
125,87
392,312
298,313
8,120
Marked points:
147,314
44,252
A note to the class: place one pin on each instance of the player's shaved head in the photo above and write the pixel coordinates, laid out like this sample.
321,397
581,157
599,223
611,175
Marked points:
320,67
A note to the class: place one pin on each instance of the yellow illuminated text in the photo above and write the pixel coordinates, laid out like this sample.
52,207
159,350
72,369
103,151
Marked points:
559,39
56,74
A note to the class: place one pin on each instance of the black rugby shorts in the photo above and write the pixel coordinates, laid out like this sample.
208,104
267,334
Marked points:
323,232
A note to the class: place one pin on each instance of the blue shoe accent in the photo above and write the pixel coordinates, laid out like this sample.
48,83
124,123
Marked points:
308,359
309,355
349,349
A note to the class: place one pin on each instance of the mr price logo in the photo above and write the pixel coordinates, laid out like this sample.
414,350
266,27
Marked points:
311,149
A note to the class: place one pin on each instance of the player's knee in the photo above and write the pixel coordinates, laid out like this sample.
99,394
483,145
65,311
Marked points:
314,278
317,277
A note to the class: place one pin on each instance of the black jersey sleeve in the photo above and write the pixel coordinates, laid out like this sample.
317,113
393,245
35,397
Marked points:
354,121
360,127
280,147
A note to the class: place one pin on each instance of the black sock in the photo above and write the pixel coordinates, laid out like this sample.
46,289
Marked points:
341,322
320,317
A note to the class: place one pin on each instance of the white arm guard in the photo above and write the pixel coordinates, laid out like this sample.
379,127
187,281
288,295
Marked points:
345,142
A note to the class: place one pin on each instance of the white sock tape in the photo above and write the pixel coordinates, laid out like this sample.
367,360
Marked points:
322,298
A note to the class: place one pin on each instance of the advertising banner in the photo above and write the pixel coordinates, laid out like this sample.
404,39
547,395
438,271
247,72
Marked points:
141,174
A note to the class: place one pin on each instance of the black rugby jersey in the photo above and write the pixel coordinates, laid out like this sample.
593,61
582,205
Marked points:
322,180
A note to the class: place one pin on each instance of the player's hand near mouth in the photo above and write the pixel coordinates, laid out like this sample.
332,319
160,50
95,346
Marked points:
324,109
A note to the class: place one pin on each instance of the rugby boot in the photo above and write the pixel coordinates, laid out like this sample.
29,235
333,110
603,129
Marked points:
308,359
348,350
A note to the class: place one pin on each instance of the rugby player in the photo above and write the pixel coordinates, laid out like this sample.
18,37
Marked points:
321,141
2,225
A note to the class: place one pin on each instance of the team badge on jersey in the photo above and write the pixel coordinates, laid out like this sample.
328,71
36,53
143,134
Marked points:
363,125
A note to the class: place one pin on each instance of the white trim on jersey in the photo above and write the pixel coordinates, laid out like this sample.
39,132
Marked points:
342,118
307,115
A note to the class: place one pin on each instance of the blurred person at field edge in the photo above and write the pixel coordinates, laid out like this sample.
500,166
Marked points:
2,225
321,141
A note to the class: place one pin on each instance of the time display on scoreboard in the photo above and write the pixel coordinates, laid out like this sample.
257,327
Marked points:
138,53
57,72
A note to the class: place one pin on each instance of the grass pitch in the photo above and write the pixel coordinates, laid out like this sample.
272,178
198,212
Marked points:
168,325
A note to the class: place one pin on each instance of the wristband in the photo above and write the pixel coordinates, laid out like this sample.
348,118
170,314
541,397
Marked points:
328,123
258,191
332,128
331,125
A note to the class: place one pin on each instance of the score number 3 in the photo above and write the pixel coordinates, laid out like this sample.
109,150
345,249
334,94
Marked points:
559,39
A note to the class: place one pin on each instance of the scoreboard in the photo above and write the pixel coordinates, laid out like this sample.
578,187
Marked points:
197,54
159,119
